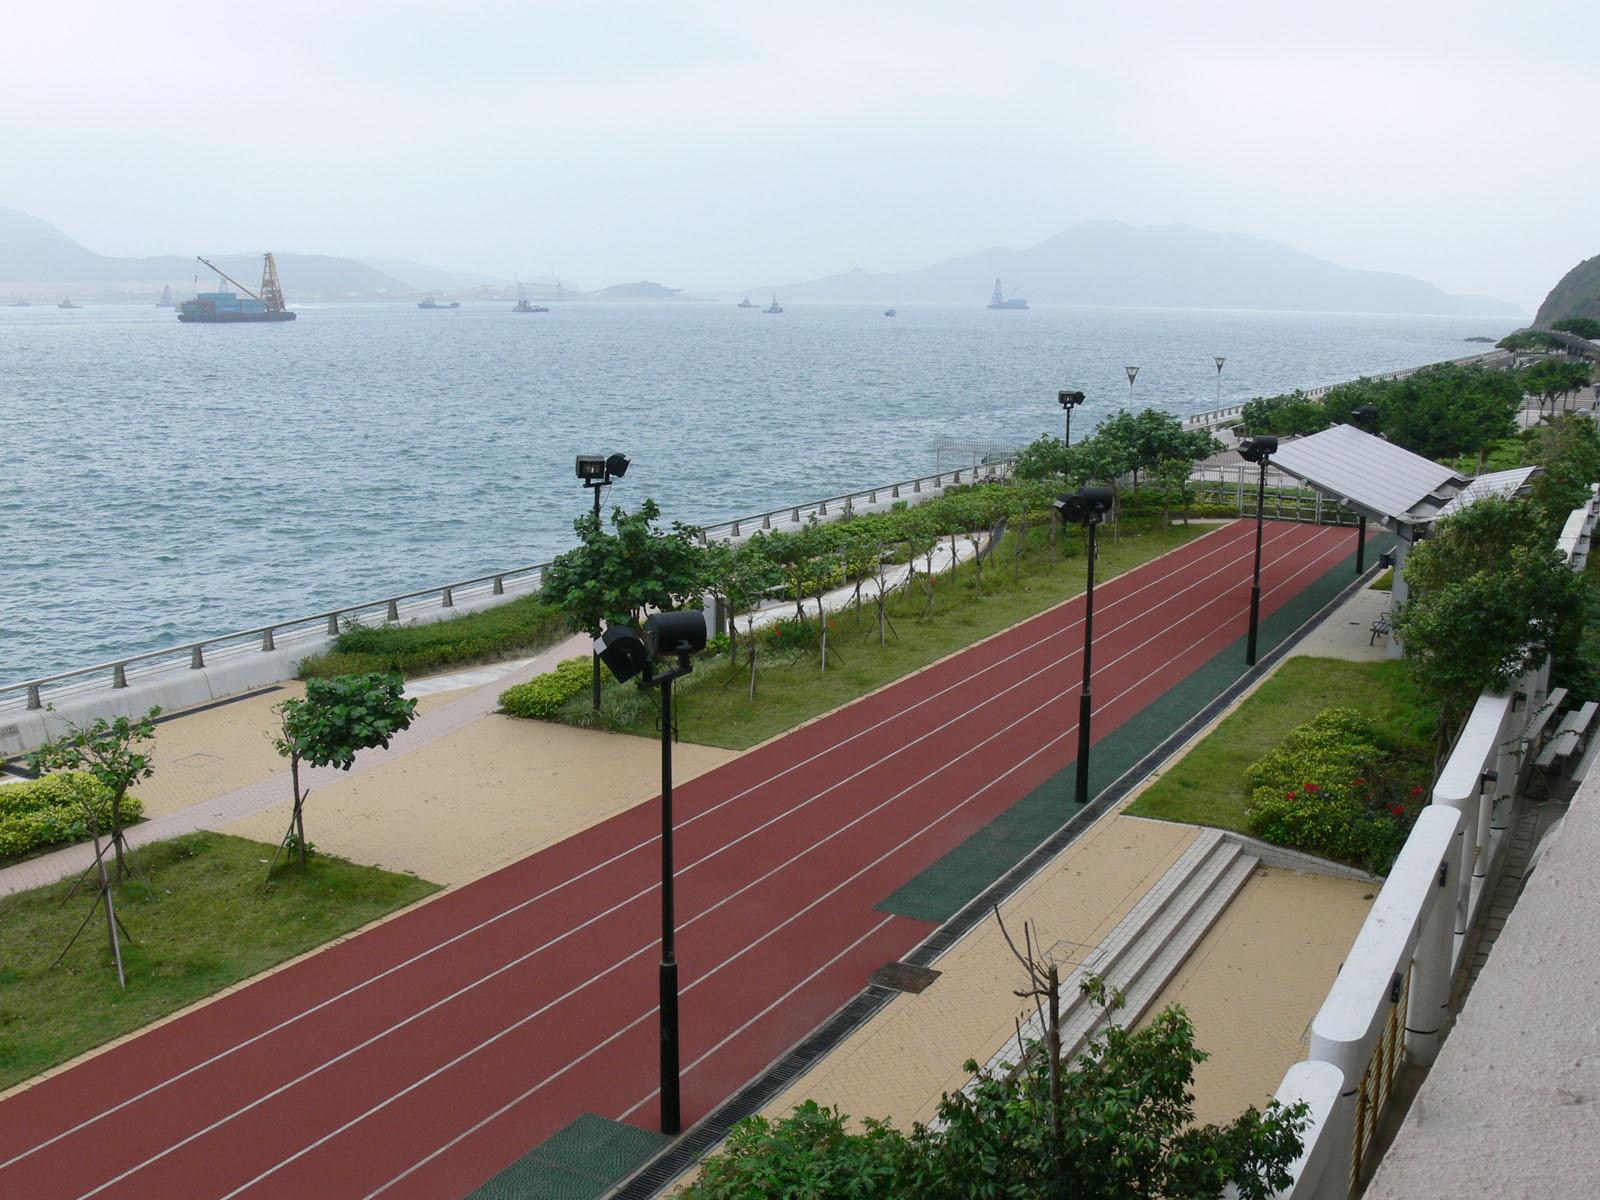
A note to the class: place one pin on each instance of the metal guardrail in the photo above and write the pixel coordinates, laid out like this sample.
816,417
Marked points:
266,636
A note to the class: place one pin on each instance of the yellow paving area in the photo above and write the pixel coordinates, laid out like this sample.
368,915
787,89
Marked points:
1254,983
478,799
911,1053
212,751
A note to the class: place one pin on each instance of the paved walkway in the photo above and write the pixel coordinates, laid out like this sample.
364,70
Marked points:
465,791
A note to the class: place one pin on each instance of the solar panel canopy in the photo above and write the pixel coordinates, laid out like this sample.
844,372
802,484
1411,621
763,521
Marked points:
1375,477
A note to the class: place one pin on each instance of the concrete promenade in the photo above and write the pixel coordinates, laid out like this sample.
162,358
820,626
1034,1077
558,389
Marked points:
466,791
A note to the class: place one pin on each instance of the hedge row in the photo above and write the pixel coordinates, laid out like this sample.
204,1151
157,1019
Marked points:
529,622
52,810
541,696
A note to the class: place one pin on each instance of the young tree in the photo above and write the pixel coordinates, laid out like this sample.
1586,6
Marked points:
329,725
108,751
613,578
740,576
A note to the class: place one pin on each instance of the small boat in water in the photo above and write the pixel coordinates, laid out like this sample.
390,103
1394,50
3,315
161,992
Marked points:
430,302
774,307
166,298
522,305
748,303
67,303
888,312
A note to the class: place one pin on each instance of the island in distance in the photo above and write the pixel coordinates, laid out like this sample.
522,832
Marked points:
1095,263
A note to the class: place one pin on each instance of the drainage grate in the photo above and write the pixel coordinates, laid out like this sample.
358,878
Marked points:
903,977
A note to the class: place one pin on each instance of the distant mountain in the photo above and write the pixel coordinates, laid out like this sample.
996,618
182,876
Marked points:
424,278
643,290
1158,266
33,251
1576,295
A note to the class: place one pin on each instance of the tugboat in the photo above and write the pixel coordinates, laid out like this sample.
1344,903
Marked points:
998,300
748,303
67,303
430,302
522,304
888,312
218,308
774,307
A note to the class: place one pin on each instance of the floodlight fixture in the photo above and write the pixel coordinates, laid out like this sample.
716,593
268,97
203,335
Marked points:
1257,449
623,651
677,633
616,465
591,467
1366,417
1069,401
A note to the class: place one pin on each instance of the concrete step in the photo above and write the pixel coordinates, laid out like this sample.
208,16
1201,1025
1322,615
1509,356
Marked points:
1146,948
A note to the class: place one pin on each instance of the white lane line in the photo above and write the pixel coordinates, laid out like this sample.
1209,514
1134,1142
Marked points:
1220,550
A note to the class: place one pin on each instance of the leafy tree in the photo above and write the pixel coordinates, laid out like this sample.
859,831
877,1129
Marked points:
740,576
1043,459
1552,377
106,750
1490,597
326,727
1530,341
1295,413
1584,327
613,578
1568,448
1118,1124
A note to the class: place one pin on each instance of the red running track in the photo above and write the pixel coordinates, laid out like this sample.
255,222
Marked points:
424,1056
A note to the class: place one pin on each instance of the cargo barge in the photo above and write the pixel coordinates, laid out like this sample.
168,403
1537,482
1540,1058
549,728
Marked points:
228,307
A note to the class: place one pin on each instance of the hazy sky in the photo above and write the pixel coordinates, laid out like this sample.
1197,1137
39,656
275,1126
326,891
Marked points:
730,145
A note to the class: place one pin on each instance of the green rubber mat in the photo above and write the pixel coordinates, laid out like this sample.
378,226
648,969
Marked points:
942,890
580,1162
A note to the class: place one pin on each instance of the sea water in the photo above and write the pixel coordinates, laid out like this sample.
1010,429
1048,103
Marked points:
165,482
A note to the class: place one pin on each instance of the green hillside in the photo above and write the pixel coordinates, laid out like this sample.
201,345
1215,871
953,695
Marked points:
1577,295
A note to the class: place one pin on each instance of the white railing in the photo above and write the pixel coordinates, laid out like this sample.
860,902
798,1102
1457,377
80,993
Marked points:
1390,1003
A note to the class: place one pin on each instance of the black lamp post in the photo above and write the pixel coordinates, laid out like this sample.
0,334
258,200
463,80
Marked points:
598,471
1219,359
1069,401
1365,417
1257,449
1087,506
627,655
1132,374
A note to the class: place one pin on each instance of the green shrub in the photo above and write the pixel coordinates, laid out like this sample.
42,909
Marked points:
542,696
1337,787
51,811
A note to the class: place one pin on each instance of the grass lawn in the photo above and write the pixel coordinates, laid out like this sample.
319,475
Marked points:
713,705
1206,787
207,921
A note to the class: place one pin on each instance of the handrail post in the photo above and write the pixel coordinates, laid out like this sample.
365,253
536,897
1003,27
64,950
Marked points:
266,641
499,585
333,624
197,659
449,599
33,696
119,675
394,610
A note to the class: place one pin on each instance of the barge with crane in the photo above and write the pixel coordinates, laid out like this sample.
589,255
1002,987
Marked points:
228,307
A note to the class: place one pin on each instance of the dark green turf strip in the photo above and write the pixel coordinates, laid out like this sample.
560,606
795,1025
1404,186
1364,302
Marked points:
939,892
582,1161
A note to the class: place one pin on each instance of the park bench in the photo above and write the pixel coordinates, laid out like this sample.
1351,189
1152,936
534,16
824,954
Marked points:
1568,737
1380,627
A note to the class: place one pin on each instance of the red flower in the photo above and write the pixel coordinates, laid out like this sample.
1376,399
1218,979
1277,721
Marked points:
1397,808
1289,795
1360,782
1313,787
1416,791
